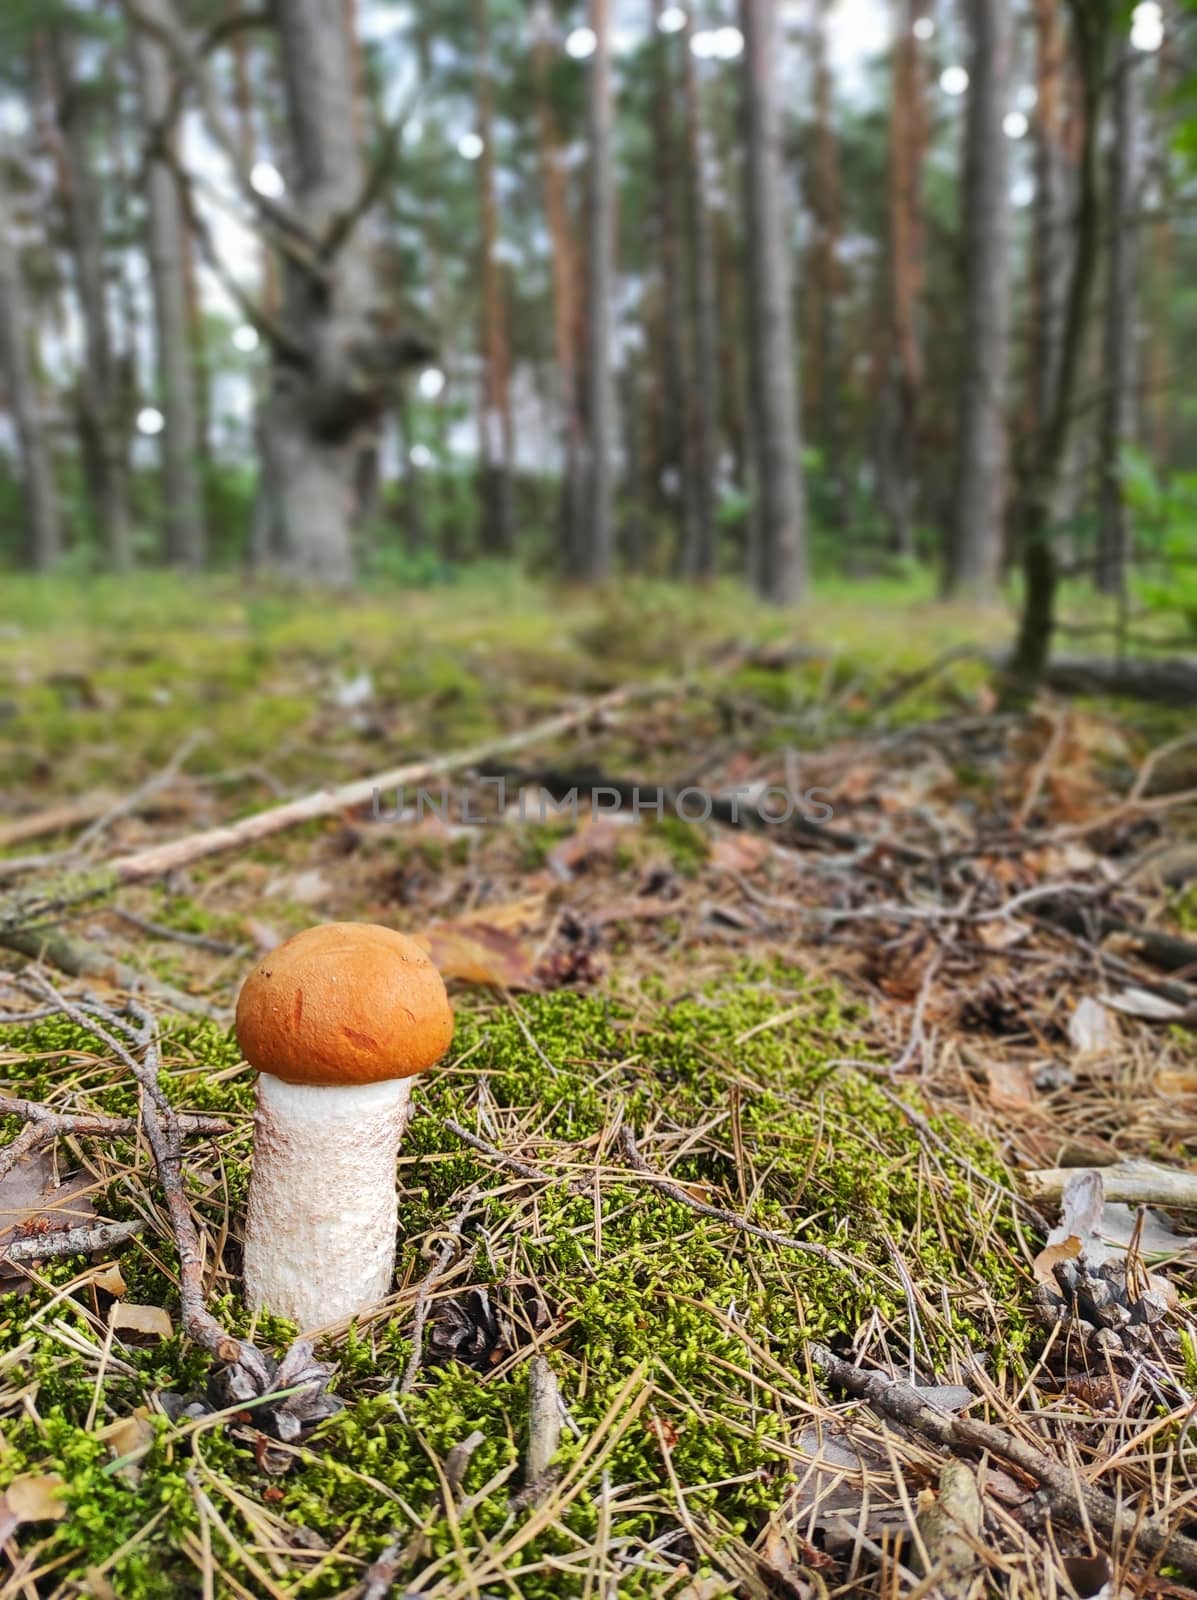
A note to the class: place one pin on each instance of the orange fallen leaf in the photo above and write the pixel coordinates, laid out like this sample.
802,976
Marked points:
480,952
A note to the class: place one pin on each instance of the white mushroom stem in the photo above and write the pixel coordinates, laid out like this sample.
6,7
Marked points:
320,1233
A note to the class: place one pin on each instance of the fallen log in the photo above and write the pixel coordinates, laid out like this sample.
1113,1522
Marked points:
1172,682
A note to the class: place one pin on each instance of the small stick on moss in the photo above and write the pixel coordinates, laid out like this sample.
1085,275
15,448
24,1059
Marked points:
196,941
45,1124
70,1241
81,958
522,1169
1068,1495
731,1219
445,1254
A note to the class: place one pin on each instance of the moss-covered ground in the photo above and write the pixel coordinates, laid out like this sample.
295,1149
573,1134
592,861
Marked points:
666,1329
866,1087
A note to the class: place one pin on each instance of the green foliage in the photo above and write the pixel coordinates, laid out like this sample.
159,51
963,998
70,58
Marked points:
1165,508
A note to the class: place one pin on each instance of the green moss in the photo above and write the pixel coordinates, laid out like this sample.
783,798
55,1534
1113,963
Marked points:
657,1315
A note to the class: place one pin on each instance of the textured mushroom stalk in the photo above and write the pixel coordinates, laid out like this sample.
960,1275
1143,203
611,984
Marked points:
320,1234
337,1021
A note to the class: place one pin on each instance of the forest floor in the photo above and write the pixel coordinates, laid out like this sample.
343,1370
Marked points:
742,1118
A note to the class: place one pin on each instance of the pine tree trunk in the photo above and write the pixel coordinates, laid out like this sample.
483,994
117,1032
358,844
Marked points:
497,445
1117,421
704,320
1093,22
104,422
825,274
978,511
782,562
566,307
44,529
903,368
669,471
185,534
602,419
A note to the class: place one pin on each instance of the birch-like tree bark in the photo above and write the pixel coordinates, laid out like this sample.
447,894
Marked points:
781,564
601,420
43,525
182,497
1120,324
104,423
978,510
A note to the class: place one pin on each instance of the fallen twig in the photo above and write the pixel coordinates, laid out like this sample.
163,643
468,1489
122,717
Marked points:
70,1241
45,899
45,1124
449,1248
1131,1182
81,958
135,1044
1068,1495
731,1219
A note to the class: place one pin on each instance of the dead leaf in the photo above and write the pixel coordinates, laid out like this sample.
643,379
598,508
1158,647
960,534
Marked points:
1091,1028
1143,1003
739,852
129,1438
1081,1208
31,1202
264,936
1002,933
152,1320
480,952
110,1279
1011,1086
309,888
595,840
36,1497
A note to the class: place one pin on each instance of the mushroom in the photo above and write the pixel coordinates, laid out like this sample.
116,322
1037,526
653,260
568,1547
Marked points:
337,1021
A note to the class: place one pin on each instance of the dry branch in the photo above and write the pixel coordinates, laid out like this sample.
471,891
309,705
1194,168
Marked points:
71,1241
44,899
1132,1182
1069,1496
135,1044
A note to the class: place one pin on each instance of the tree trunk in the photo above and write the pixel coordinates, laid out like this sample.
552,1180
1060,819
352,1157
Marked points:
976,532
825,275
1117,419
782,562
704,319
602,423
1092,28
324,410
104,421
670,468
41,504
566,301
498,516
903,374
1049,245
185,535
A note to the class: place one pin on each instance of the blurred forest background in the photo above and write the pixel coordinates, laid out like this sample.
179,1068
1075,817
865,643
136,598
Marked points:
358,289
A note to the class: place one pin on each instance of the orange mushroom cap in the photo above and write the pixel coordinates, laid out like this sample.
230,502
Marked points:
344,1003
